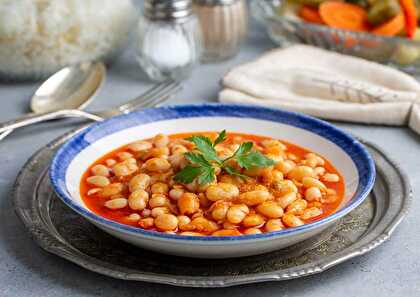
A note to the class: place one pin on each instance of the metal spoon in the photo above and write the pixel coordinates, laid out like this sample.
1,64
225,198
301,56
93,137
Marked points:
73,87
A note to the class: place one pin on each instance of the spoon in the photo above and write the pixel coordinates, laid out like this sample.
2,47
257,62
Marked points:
73,87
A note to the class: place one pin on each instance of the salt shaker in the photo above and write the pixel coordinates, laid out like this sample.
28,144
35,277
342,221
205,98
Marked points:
169,39
224,26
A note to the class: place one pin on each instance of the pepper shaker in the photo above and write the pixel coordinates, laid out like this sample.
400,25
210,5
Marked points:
169,39
224,25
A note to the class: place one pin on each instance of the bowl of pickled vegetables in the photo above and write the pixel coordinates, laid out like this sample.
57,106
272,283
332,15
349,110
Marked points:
384,31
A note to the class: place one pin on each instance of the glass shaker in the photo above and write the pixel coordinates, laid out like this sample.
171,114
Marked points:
224,25
169,39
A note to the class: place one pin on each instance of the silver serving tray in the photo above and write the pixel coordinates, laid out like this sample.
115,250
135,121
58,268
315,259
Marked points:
60,231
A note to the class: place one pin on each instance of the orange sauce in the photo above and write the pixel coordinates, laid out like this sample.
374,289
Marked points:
96,203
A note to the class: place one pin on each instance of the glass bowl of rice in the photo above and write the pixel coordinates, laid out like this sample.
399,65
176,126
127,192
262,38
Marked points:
38,37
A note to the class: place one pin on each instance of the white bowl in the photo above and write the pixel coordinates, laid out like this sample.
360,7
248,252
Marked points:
346,154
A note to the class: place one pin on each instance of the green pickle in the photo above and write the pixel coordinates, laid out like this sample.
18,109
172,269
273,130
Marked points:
362,3
314,3
289,8
406,54
417,3
382,11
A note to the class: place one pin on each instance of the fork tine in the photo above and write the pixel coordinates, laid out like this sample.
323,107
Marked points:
148,96
163,95
157,97
162,87
150,93
165,89
163,98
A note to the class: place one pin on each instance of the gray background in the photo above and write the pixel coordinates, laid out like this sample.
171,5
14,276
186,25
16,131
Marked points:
26,270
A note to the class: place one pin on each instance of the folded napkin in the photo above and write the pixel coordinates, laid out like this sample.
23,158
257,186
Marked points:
327,85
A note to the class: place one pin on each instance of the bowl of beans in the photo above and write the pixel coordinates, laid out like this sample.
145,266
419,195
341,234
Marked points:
212,180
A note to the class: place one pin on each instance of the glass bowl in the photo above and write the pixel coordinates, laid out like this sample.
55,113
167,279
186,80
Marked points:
399,52
37,38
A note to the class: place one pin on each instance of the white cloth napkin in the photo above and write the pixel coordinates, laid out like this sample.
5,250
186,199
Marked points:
327,85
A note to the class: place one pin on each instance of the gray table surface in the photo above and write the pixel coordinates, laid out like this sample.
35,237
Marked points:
26,270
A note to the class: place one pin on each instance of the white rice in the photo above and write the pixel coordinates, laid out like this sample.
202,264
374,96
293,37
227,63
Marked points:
38,37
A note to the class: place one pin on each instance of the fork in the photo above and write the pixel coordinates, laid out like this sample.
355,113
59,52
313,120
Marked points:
154,96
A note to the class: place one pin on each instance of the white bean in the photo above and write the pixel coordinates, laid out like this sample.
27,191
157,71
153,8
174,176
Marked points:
116,203
98,181
100,170
331,178
313,194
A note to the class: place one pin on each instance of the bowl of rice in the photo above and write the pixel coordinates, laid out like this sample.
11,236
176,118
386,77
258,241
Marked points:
38,37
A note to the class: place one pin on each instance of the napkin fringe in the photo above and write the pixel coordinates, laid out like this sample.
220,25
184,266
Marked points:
369,113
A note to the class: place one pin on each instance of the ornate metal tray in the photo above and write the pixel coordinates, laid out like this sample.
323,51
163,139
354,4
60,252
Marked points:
60,231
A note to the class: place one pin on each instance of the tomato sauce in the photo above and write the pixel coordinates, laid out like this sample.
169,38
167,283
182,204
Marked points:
96,203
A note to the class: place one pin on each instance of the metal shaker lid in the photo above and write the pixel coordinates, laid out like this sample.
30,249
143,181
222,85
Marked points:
167,9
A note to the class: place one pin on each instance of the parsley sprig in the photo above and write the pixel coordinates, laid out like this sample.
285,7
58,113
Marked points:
204,160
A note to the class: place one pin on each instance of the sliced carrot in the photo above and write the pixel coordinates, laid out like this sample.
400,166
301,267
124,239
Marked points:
344,41
391,27
310,14
410,12
341,15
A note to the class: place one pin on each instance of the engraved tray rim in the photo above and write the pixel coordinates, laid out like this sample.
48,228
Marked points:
51,244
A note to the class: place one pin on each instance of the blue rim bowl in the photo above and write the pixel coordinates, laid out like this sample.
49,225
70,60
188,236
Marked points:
351,146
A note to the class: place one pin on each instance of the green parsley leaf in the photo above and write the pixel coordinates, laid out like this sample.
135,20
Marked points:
188,174
247,158
220,138
204,174
198,139
232,171
197,159
243,149
207,175
205,146
204,160
253,159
